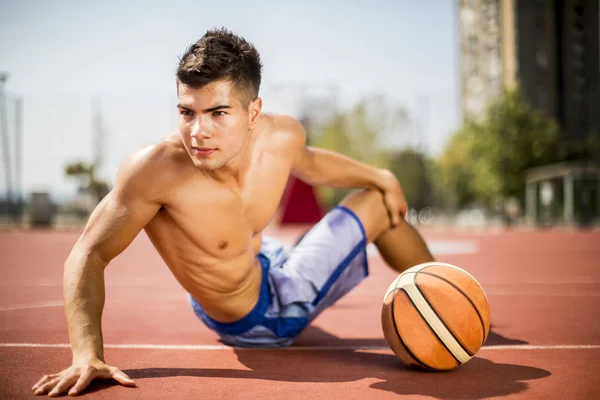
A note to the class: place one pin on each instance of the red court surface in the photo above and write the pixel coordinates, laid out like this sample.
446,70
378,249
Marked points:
543,288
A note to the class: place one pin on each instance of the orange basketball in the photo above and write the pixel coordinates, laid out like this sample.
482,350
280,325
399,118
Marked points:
435,316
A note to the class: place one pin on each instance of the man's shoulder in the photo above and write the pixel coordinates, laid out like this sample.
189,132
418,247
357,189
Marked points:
284,129
283,123
156,165
159,155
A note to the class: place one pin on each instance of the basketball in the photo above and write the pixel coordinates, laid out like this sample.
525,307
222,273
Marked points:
435,316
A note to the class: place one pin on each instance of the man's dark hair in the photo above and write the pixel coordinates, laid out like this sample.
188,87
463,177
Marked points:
220,54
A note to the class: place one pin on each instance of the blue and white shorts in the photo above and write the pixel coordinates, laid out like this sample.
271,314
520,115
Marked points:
329,261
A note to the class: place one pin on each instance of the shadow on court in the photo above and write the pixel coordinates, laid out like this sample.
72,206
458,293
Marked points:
479,378
495,339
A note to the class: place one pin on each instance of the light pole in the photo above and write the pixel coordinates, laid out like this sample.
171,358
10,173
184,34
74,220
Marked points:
5,143
19,160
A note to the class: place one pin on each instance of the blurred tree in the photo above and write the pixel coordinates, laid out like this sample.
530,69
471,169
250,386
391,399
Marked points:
486,161
583,148
88,183
360,133
518,138
415,172
464,171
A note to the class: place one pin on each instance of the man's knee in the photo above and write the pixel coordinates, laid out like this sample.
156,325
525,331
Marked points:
369,207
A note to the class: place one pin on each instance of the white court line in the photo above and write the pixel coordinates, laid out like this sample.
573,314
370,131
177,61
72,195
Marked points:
437,247
12,285
205,347
542,347
41,304
492,293
441,247
524,283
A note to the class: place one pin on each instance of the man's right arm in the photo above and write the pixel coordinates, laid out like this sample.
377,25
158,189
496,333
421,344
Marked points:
113,225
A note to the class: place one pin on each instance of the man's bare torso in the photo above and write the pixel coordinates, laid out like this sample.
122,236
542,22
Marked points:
209,232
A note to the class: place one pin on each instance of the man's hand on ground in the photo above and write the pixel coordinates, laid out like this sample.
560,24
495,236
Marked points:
76,378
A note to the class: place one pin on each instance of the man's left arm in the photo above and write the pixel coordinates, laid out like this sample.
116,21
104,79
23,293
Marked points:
320,167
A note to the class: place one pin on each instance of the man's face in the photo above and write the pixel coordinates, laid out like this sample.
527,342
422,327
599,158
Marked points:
213,123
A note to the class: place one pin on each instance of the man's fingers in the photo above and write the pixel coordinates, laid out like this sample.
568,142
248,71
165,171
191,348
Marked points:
75,379
84,380
63,385
403,210
394,214
122,378
45,379
46,387
396,219
391,209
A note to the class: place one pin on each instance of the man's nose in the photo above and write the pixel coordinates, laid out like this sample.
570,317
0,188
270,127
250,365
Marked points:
201,129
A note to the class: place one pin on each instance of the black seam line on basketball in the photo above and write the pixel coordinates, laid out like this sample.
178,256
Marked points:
410,353
466,297
433,330
397,283
402,343
442,320
485,336
460,343
427,322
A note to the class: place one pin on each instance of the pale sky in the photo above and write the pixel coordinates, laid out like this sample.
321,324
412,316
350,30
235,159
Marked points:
60,54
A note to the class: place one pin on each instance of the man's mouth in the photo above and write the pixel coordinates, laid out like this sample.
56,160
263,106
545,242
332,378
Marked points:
202,151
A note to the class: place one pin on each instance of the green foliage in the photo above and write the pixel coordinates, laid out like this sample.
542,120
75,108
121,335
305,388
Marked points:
415,172
85,174
466,168
78,169
486,160
461,166
519,138
572,149
358,134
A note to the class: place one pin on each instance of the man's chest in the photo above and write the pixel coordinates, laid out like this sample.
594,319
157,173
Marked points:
262,191
247,205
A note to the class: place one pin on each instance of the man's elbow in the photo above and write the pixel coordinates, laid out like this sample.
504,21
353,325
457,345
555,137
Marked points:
81,257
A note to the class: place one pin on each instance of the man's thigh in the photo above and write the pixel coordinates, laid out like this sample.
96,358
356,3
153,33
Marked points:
369,207
328,262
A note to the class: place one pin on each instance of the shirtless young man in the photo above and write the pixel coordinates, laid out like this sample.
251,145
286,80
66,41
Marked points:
205,194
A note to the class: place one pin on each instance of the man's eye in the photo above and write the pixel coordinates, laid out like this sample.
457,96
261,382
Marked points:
186,113
219,113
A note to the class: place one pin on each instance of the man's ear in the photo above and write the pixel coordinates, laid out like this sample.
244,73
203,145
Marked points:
254,109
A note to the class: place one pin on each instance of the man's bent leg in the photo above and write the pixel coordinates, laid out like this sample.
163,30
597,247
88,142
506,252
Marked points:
401,247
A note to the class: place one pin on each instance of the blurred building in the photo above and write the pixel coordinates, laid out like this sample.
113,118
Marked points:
481,54
550,47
